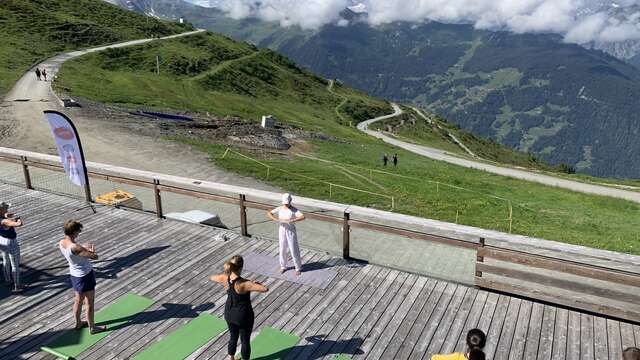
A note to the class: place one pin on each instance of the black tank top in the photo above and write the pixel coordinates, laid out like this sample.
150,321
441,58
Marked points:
238,309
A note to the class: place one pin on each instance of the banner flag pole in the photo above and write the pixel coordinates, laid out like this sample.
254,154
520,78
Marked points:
69,146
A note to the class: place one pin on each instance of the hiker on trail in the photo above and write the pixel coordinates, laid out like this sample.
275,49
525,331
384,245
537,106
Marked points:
38,73
476,339
395,160
81,274
44,74
287,215
385,159
10,247
238,312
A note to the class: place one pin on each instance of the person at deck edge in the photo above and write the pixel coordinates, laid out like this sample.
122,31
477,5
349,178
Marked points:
287,215
238,312
476,339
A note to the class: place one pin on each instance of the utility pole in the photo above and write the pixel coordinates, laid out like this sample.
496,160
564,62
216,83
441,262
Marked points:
157,64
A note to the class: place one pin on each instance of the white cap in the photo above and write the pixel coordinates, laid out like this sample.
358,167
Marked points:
286,199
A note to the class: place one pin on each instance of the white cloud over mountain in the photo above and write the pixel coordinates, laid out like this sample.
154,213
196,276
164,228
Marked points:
579,21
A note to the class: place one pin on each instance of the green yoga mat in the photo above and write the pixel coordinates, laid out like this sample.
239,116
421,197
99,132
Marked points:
272,344
114,316
341,357
187,339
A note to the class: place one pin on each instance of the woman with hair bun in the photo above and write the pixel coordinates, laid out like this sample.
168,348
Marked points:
238,312
476,340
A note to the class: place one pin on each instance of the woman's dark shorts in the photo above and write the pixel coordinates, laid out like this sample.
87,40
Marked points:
84,284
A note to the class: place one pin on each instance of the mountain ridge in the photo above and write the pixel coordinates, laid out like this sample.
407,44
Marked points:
571,105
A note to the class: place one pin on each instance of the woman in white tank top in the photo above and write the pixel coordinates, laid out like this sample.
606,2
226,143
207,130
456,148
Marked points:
81,274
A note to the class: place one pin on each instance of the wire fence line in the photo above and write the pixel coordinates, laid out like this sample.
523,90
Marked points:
331,185
371,171
393,198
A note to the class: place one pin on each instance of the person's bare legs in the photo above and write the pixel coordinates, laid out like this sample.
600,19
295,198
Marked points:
90,301
77,309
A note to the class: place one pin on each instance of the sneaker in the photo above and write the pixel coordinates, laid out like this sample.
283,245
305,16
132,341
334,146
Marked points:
97,329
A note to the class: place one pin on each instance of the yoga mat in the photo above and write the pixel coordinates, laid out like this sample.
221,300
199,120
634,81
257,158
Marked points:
185,340
341,357
272,344
312,274
74,342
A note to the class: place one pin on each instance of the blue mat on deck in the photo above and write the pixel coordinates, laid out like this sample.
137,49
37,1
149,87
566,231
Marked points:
315,274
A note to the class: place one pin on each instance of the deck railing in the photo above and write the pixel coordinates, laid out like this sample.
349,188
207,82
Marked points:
597,289
593,280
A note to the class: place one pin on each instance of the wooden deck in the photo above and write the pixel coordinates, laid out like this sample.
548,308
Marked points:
367,312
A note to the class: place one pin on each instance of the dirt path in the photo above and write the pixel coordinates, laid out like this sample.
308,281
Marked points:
441,155
22,126
344,101
453,137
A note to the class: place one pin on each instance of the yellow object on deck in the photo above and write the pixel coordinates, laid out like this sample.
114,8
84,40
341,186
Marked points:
120,198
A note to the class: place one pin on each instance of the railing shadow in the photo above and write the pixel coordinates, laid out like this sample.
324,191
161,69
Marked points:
56,284
313,350
169,311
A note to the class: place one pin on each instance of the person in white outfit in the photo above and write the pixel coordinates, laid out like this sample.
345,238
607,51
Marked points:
287,215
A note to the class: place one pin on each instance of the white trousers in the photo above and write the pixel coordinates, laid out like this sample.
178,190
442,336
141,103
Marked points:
289,238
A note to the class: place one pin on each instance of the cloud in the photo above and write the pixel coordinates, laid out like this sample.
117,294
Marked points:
308,14
579,21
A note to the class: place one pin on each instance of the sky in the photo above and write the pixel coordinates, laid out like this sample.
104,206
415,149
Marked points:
579,21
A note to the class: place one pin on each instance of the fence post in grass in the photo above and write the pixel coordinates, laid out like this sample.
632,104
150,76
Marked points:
25,170
156,193
330,190
479,257
510,216
244,230
345,236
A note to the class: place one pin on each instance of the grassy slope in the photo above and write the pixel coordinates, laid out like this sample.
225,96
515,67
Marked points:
212,73
32,30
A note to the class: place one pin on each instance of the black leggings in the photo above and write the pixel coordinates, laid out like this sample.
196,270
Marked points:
244,333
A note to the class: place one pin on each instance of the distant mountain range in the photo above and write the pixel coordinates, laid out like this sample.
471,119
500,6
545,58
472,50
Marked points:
627,50
564,102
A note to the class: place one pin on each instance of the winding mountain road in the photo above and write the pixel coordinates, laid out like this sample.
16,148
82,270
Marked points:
22,112
437,154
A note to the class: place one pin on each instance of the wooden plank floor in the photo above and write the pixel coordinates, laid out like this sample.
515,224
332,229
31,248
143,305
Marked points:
367,312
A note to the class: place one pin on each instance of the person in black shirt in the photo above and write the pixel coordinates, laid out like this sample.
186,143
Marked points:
238,312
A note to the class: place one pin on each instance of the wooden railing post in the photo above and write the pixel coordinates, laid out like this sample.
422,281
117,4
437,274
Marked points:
345,236
156,193
479,258
25,170
244,229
